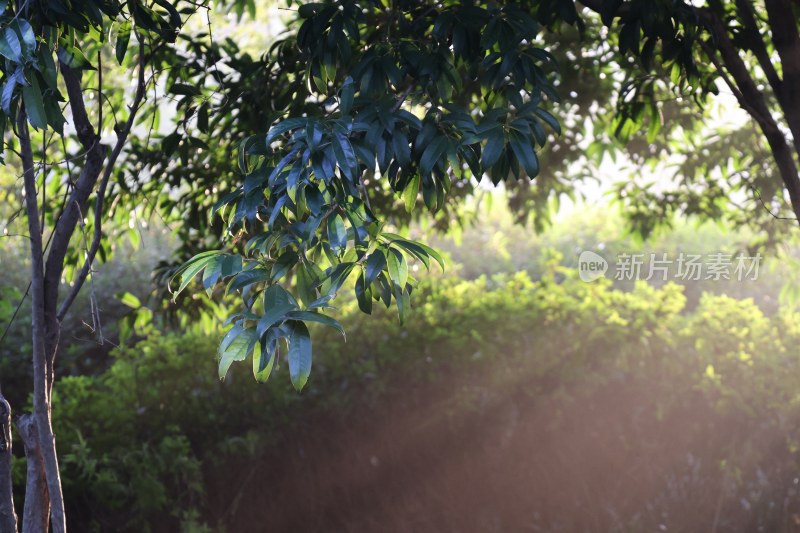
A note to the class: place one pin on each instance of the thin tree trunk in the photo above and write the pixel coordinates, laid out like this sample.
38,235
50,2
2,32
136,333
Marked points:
39,330
36,513
8,517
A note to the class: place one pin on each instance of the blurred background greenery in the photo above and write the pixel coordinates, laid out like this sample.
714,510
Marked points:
516,397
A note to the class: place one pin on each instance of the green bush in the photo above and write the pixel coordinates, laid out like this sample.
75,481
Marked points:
702,405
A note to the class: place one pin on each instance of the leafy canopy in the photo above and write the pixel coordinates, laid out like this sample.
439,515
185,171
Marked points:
420,98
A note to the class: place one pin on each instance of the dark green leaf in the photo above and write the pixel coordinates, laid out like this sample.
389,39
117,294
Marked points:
433,154
363,295
72,56
376,262
299,354
123,38
525,154
347,95
493,149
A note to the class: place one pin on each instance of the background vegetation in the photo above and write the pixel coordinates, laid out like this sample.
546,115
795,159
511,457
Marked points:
514,397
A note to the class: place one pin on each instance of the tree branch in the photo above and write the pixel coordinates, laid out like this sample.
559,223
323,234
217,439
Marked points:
122,137
67,222
83,126
786,38
738,79
759,49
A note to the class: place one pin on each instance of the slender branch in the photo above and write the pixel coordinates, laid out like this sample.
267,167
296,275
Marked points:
44,177
14,315
759,49
122,136
100,92
402,98
80,118
68,220
751,99
744,103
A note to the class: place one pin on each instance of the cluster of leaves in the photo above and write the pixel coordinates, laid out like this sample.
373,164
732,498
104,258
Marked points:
35,36
636,78
459,94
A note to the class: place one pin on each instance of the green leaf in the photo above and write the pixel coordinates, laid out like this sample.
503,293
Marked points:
337,234
34,104
403,301
345,156
48,67
264,359
10,45
285,263
398,268
432,154
410,193
193,267
13,80
299,354
363,295
375,264
525,154
402,151
550,119
184,89
493,149
212,274
123,38
403,243
174,16
72,56
347,95
278,302
284,126
236,349
130,300
306,284
24,30
244,278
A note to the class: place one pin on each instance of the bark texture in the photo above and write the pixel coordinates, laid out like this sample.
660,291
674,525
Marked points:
8,517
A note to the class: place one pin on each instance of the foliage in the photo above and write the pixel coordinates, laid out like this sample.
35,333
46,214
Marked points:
159,418
418,97
303,204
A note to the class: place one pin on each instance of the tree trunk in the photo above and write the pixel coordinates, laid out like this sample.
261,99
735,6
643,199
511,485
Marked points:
8,517
36,514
